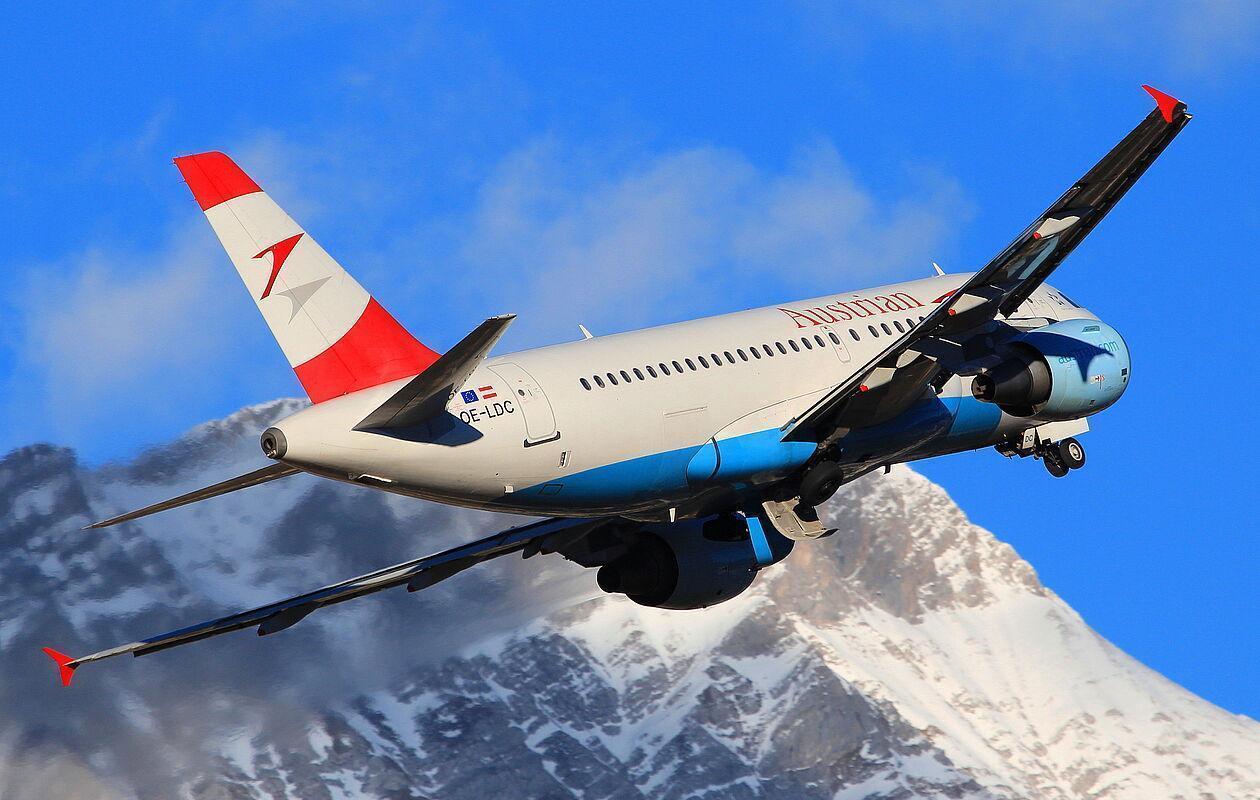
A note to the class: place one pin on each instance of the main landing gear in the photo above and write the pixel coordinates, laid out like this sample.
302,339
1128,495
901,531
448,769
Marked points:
1062,457
821,482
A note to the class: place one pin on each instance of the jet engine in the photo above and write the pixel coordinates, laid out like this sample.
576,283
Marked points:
691,564
1065,370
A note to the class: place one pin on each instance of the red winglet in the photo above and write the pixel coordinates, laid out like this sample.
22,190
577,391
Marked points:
1166,102
214,178
63,663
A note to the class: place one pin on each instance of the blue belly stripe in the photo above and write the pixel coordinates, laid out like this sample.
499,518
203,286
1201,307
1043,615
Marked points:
672,471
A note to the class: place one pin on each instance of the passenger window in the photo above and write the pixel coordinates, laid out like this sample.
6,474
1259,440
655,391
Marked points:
691,365
874,332
664,368
782,349
909,323
792,344
612,379
767,350
897,325
599,382
678,367
756,353
742,355
651,371
834,339
884,326
625,376
586,384
638,374
805,341
854,334
717,359
730,359
818,340
703,363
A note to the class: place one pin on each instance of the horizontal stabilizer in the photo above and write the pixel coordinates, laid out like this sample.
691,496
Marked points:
427,394
245,481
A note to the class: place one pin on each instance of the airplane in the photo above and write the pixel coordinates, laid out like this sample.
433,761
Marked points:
681,460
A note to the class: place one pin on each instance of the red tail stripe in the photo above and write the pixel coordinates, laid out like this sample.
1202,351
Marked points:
375,350
214,178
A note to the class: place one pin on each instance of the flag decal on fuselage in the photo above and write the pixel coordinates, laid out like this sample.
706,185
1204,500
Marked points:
480,393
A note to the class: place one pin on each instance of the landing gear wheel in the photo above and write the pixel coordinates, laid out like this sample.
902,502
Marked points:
821,482
1072,453
1054,462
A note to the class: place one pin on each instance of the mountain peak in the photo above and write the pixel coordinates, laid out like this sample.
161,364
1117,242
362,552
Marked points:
230,437
911,654
902,545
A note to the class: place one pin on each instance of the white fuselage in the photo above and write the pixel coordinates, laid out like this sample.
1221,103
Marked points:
611,425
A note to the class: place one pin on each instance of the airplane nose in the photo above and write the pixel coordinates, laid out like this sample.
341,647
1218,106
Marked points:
273,443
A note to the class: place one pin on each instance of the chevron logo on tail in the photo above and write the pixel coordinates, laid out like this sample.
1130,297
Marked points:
279,252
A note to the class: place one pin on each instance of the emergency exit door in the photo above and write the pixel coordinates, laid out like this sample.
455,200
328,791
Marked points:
540,418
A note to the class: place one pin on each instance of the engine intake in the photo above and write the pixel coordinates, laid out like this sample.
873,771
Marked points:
1021,382
648,572
689,564
1066,370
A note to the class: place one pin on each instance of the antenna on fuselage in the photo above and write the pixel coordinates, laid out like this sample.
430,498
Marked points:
585,333
938,269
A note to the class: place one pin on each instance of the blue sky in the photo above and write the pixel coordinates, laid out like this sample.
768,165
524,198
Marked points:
623,167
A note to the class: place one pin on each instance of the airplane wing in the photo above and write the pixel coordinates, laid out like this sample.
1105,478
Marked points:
264,475
542,537
898,375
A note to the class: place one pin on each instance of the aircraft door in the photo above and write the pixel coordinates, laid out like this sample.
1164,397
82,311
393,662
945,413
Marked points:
834,339
540,418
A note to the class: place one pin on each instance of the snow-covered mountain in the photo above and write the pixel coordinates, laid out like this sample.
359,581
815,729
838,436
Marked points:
910,655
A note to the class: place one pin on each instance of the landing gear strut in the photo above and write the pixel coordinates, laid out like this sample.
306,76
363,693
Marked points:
1062,457
1054,462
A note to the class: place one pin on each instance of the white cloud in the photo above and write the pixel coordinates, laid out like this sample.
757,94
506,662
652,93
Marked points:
114,350
129,343
691,231
1196,37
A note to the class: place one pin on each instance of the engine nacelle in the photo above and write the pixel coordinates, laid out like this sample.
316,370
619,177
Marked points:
1065,370
690,564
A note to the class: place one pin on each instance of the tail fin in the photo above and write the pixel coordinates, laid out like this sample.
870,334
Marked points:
337,338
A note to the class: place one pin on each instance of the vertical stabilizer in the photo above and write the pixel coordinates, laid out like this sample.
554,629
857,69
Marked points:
337,338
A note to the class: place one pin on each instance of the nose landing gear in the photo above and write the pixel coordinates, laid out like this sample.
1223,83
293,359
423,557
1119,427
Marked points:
1051,442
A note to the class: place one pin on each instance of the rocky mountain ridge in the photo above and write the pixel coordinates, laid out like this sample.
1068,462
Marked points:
911,655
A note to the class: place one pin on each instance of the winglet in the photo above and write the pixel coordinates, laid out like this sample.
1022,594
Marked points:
64,663
1166,102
